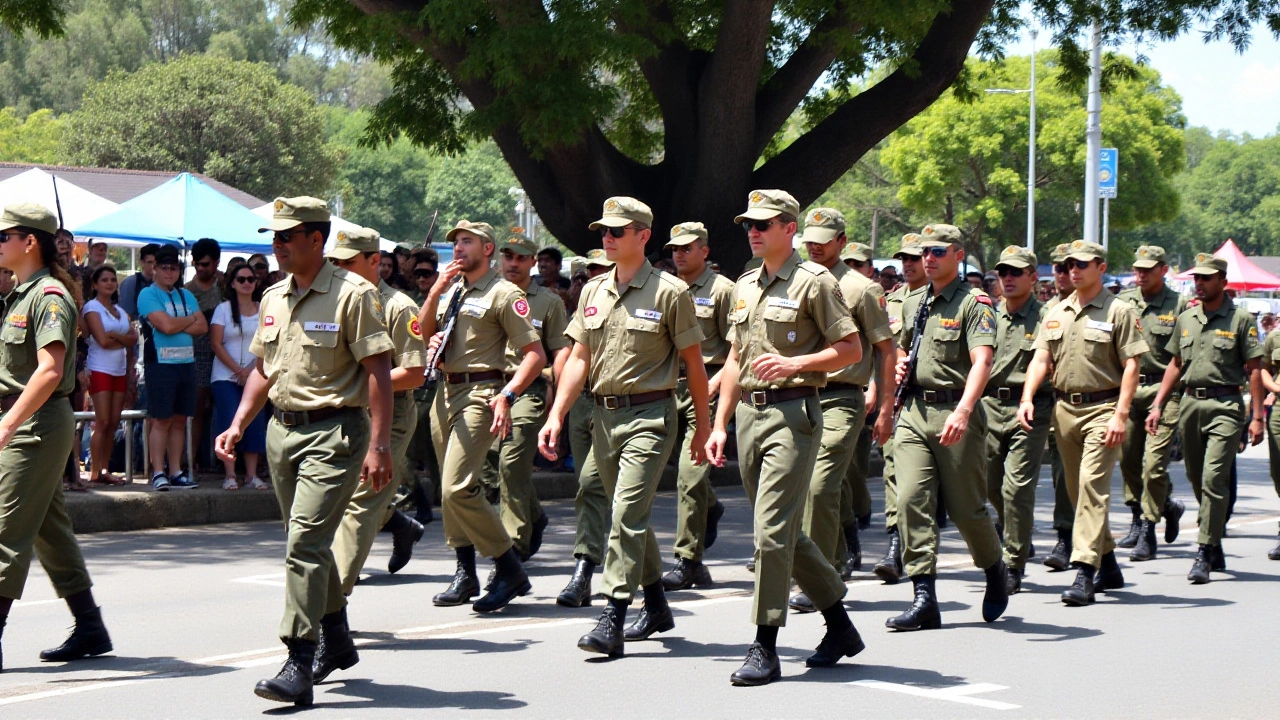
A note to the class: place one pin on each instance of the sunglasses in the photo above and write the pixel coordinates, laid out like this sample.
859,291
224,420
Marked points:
168,266
12,235
247,279
1079,264
617,232
286,236
938,252
423,273
261,266
759,225
1010,271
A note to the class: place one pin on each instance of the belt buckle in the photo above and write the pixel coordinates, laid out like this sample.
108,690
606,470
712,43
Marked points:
1200,393
1004,393
930,396
289,418
1075,398
759,397
611,402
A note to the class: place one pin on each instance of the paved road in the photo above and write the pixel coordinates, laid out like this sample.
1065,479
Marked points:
193,613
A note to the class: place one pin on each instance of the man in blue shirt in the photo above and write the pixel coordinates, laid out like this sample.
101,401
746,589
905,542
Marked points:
171,319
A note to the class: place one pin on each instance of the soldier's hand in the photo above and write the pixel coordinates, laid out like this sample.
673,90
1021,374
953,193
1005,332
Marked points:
900,370
1026,413
715,447
378,468
698,446
953,429
501,425
770,367
1153,421
224,446
447,275
549,441
1115,432
434,342
1255,431
882,431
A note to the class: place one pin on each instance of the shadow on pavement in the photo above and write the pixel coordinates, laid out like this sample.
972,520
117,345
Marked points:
1016,625
849,670
1168,601
410,697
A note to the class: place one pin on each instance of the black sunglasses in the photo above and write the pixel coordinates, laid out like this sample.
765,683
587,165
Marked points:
1079,264
1005,271
247,279
938,252
11,235
423,273
261,266
617,232
759,225
286,236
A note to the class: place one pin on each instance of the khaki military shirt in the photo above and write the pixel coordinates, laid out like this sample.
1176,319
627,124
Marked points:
1157,317
960,319
635,334
902,305
1214,348
712,300
402,325
311,344
1271,352
868,310
494,314
1090,345
1015,342
38,313
547,315
799,311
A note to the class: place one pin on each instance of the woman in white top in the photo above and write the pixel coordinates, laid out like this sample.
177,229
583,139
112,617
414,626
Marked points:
112,338
230,332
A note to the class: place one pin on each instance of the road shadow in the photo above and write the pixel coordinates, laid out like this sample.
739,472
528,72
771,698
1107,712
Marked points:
895,607
1166,601
470,646
383,579
132,668
410,697
850,670
672,645
1018,626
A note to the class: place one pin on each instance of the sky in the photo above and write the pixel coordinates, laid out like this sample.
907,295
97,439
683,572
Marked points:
1220,88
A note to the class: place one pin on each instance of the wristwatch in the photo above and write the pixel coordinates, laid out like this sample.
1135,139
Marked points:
510,396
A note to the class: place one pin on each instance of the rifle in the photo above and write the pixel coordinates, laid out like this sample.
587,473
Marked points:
432,229
450,319
917,336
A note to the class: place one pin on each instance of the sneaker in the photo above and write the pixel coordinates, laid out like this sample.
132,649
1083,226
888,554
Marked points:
159,482
255,483
184,481
230,484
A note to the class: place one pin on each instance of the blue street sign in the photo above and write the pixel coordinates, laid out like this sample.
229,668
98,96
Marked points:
1108,170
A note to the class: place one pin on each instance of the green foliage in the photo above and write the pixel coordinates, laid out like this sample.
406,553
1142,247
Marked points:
33,139
382,186
473,186
867,195
233,121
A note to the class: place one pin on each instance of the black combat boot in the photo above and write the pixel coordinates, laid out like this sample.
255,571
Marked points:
1135,529
293,684
1013,580
606,638
335,650
405,533
88,638
510,582
854,545
1060,558
1081,591
686,574
578,592
1200,567
3,621
1217,558
889,569
1109,575
996,598
535,537
655,616
801,603
465,585
924,613
1146,547
760,668
1172,514
1275,552
840,641
713,525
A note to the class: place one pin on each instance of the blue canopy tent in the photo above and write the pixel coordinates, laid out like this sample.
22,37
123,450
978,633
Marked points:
179,213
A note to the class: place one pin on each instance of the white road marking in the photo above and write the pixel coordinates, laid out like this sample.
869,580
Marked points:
29,603
955,693
80,689
270,580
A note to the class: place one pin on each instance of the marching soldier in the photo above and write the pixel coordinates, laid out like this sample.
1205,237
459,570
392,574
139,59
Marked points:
1214,351
37,373
790,328
1091,342
889,568
698,511
631,329
844,409
1144,458
1271,383
1064,512
484,314
357,252
1014,454
324,357
592,505
939,443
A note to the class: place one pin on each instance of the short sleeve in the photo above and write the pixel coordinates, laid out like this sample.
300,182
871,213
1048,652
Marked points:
1125,333
406,335
1173,345
1269,348
149,301
513,316
682,322
980,322
364,325
553,328
724,304
872,317
1042,341
1250,348
828,310
55,321
221,314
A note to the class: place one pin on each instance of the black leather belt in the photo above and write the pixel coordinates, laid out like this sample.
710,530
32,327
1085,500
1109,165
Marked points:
1150,379
711,370
289,418
1010,392
1216,391
1087,398
760,398
842,386
937,397
614,402
473,377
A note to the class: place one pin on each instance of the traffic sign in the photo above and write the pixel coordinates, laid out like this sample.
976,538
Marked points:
1108,170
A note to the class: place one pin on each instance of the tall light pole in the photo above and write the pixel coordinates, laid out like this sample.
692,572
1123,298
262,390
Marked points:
1093,136
1031,146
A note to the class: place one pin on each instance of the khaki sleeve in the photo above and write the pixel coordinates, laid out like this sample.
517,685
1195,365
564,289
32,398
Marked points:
55,320
364,324
1250,349
1042,342
724,304
406,335
1125,333
554,327
513,316
1174,345
1269,348
980,322
828,310
682,321
872,318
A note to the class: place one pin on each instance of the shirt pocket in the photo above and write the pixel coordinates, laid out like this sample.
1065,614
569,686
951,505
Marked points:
1097,343
947,344
1224,348
704,312
780,326
319,350
15,345
642,335
270,349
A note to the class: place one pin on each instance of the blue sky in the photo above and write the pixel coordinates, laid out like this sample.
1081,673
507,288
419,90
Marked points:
1220,88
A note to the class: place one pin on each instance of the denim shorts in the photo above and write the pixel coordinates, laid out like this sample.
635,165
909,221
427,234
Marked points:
171,390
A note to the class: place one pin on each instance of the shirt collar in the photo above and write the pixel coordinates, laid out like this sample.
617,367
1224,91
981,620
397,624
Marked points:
704,278
784,272
949,292
42,272
1026,309
1074,300
484,282
321,282
1227,307
641,277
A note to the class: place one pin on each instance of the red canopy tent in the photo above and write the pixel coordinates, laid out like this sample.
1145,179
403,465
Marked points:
1242,274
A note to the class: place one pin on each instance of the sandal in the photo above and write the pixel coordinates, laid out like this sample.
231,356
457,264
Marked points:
256,484
75,486
230,484
106,478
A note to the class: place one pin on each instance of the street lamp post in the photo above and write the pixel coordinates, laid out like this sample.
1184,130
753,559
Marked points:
1031,146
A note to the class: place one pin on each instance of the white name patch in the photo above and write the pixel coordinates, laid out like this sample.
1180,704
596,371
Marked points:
784,303
1099,325
653,315
537,324
320,327
704,302
481,303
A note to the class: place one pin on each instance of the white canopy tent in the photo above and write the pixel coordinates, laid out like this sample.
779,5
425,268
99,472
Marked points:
79,206
266,211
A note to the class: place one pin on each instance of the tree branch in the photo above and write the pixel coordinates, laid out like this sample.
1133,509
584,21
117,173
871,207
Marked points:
672,75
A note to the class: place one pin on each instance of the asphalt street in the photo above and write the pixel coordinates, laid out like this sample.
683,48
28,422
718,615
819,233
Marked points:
193,613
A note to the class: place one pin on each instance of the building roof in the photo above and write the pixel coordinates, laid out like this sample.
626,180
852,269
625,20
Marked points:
1270,263
121,185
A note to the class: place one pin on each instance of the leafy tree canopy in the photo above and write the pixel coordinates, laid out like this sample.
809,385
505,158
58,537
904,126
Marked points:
33,139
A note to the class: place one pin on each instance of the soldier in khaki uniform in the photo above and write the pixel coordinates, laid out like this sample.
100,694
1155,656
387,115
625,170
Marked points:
356,251
633,327
698,511
843,403
37,374
1215,351
1271,383
1091,341
1014,454
889,568
939,444
470,331
790,328
1064,513
592,505
324,356
1144,459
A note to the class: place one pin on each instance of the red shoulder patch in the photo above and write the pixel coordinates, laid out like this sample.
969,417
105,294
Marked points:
522,307
54,290
589,311
985,300
1193,302
268,321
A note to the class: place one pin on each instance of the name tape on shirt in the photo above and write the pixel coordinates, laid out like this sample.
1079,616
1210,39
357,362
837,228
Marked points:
320,327
537,324
653,315
479,303
704,302
18,321
1099,325
784,303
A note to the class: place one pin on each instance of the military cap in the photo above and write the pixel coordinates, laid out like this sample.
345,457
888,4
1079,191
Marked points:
519,243
406,246
686,233
596,257
910,246
822,225
1085,250
769,204
623,211
861,252
354,241
483,229
291,212
30,215
1017,256
1208,264
1148,256
1059,254
939,235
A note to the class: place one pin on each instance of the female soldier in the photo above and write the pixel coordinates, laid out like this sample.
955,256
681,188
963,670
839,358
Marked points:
37,341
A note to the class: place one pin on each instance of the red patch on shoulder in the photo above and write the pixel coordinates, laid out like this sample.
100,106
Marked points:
268,321
54,290
1193,302
521,307
589,311
985,300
